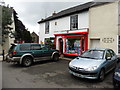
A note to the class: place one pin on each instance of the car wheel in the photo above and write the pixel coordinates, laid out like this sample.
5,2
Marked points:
56,57
101,75
115,84
27,61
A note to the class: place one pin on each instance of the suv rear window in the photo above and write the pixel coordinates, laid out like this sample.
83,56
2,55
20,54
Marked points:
24,47
11,48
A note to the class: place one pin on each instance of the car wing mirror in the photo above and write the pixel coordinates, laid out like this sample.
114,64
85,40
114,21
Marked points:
108,58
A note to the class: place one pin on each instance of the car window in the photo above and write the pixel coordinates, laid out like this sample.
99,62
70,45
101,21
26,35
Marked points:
112,52
35,47
44,48
24,47
107,54
96,54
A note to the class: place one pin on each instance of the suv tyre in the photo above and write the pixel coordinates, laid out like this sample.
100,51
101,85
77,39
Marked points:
56,57
27,61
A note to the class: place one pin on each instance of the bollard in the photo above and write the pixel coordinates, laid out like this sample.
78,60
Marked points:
3,53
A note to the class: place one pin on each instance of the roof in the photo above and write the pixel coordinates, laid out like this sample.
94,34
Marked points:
69,11
33,33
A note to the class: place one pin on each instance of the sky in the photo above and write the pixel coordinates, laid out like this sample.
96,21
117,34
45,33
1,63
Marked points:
32,11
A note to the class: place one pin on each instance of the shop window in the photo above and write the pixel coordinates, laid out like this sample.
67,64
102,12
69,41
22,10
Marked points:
119,44
74,22
73,45
47,28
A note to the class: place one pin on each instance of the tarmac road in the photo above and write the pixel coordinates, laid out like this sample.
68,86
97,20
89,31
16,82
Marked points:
47,74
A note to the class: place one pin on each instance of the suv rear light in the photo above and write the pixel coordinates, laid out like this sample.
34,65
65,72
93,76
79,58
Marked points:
14,52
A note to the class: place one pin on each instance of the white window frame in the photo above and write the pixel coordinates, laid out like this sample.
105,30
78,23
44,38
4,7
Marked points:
47,27
73,22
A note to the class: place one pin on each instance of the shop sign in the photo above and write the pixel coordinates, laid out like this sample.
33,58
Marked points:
108,40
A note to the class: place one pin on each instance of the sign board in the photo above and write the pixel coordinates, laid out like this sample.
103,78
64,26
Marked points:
71,31
108,40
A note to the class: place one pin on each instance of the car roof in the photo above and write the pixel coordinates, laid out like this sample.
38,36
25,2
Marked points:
25,44
99,49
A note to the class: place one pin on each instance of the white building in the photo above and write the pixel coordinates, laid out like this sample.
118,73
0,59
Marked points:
90,25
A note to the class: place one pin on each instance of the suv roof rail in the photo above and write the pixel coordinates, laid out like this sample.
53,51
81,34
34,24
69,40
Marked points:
14,44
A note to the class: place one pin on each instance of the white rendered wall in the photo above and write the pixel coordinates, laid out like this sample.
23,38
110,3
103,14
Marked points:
63,24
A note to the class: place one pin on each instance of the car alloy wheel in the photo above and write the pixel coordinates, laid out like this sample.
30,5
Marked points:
27,61
101,75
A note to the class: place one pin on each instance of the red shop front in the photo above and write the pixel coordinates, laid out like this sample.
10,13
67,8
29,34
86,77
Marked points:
71,43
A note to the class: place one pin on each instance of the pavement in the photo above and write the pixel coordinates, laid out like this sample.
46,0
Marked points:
1,58
65,58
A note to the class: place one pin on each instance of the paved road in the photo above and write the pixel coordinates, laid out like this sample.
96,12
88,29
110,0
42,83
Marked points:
47,75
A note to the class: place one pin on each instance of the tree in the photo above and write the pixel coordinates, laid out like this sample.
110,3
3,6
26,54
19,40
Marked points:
6,22
21,33
49,43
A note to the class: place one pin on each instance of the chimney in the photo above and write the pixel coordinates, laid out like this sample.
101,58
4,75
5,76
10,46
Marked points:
54,13
42,19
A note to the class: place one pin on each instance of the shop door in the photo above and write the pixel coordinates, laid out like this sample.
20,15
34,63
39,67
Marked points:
95,43
61,45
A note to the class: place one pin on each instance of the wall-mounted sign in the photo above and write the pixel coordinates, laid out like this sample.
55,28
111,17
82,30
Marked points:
108,40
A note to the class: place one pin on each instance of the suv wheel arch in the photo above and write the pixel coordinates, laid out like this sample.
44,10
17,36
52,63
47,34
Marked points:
26,55
27,61
55,56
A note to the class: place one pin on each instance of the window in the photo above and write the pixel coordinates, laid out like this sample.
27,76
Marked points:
74,22
73,45
112,53
24,47
118,44
35,47
47,28
94,54
108,54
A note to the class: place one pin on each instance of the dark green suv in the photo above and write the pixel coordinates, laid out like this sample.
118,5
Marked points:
27,53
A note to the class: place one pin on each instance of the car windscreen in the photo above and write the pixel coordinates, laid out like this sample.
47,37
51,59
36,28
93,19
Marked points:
93,54
11,48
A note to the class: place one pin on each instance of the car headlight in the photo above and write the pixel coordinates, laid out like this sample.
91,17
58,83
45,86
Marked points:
91,68
117,74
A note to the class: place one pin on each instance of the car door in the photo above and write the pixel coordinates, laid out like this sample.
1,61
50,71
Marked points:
46,53
113,58
109,61
36,51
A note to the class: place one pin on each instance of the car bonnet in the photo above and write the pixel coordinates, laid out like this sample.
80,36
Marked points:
85,62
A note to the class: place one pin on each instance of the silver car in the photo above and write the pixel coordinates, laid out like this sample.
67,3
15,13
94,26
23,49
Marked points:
93,64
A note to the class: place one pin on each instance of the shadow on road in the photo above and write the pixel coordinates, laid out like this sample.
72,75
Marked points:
15,65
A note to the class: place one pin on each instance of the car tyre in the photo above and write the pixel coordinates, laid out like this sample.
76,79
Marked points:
101,75
115,85
27,61
56,57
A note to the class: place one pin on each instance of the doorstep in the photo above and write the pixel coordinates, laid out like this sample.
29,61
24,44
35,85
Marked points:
65,58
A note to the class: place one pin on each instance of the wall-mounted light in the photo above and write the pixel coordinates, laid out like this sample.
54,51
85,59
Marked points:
55,23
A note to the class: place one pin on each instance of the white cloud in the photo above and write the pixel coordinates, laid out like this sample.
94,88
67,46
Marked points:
31,11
